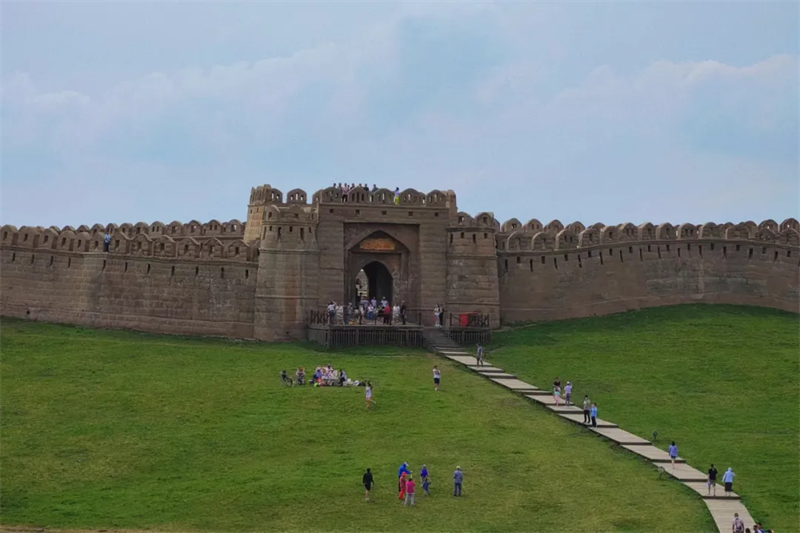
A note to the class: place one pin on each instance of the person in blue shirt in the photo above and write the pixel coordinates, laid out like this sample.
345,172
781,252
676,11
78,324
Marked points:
673,453
403,468
593,414
426,482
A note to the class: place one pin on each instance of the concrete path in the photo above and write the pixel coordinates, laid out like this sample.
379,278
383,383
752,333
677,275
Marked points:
721,507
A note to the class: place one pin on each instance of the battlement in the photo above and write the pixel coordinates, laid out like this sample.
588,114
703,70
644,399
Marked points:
512,235
192,241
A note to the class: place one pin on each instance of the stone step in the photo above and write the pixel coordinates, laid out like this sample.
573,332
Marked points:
578,419
463,359
722,511
683,472
651,453
513,384
620,436
485,368
497,375
701,488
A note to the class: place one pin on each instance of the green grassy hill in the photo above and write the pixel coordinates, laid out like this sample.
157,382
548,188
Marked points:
722,381
112,430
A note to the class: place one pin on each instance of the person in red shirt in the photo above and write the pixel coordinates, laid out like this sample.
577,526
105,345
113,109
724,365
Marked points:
401,486
409,491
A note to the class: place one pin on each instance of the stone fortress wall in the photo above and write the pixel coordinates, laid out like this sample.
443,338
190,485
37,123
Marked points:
260,278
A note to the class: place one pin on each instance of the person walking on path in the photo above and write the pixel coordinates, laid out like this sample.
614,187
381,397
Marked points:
568,393
673,453
437,377
587,406
479,355
458,479
727,478
712,480
593,414
367,481
368,394
410,485
557,396
738,524
423,472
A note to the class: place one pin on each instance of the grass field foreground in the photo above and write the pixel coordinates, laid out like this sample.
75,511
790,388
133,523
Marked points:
722,381
111,430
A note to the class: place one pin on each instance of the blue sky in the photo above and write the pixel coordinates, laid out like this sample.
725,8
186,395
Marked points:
597,112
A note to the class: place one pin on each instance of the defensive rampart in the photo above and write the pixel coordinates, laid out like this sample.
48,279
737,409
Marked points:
260,278
193,286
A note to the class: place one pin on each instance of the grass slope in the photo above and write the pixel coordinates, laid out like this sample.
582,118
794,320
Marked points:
121,430
722,381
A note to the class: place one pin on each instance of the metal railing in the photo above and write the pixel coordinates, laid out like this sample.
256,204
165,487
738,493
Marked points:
413,317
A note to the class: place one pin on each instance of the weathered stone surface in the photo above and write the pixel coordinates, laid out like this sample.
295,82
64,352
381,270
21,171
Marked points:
510,382
651,453
620,436
294,254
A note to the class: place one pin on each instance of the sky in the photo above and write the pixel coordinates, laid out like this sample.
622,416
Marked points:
591,111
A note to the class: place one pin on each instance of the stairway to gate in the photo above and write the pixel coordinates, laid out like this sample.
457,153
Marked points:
439,341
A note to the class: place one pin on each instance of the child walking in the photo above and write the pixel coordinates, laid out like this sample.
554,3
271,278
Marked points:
368,394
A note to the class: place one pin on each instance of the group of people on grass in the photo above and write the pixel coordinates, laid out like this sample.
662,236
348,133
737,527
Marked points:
406,486
324,376
345,189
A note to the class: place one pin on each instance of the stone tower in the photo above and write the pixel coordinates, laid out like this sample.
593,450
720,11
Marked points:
288,270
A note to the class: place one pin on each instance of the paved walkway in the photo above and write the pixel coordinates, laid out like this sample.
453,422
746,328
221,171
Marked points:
721,507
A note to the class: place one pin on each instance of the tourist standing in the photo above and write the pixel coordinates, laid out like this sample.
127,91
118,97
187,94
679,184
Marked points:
712,480
587,406
367,481
437,377
106,242
436,312
403,312
557,396
480,355
673,453
410,486
441,315
403,470
593,414
727,478
458,479
568,393
423,473
738,524
368,394
331,313
401,486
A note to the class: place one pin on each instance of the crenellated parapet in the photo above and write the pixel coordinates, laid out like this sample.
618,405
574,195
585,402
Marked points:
135,240
513,236
384,197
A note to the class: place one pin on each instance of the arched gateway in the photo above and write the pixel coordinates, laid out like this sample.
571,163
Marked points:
385,262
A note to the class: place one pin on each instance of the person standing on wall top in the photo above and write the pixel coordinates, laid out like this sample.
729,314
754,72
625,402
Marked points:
106,242
397,196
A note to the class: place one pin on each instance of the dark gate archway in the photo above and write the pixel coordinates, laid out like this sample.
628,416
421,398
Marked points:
381,283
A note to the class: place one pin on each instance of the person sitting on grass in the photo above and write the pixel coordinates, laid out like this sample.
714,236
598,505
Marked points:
286,380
